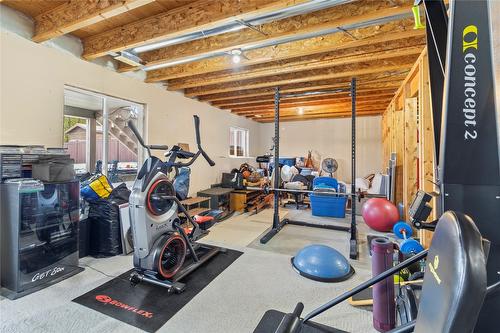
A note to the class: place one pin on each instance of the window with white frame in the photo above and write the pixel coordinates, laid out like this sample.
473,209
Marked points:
238,142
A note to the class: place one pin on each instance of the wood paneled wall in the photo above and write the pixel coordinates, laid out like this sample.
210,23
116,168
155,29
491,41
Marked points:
407,130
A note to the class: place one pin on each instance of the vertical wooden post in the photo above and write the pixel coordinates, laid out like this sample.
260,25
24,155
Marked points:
410,164
399,136
427,149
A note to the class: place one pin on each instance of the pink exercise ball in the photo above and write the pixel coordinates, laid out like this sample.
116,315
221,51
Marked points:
380,214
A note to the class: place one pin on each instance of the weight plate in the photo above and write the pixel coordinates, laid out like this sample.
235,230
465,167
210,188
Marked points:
410,246
400,228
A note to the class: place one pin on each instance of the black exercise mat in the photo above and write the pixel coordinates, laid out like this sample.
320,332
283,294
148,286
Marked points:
149,307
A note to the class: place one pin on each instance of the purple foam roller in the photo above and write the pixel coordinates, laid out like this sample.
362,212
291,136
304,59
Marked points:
384,307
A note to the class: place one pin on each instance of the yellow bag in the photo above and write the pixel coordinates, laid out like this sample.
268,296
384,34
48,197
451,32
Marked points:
98,187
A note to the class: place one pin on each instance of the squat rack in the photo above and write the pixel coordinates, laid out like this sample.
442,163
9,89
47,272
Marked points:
278,224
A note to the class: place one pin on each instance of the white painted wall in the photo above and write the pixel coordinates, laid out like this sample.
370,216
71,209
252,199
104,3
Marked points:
332,138
32,97
31,108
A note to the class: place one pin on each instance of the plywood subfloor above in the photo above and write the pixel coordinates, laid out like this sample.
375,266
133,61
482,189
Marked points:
307,51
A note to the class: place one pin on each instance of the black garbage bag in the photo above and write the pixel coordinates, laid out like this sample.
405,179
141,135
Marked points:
120,194
104,217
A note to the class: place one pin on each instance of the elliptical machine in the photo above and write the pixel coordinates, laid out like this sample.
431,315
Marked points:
162,246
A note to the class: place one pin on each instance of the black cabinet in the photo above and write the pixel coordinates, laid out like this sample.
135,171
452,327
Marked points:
219,197
39,234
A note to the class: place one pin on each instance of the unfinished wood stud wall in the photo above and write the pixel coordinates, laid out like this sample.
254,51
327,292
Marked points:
407,130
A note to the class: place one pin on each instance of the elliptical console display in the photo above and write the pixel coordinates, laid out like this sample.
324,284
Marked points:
161,243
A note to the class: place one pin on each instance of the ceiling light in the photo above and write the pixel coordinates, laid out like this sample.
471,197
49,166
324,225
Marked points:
236,56
300,111
236,59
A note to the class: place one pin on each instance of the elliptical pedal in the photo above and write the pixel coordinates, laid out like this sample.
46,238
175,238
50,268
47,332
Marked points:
172,286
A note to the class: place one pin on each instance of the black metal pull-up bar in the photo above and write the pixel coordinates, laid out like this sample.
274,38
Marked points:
278,224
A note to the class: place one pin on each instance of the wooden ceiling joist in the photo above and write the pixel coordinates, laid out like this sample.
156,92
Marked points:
269,99
307,102
372,110
277,31
385,33
77,14
346,114
386,83
200,15
313,105
342,56
328,60
316,108
336,72
316,52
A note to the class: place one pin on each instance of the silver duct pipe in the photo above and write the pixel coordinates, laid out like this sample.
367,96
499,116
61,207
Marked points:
283,40
304,8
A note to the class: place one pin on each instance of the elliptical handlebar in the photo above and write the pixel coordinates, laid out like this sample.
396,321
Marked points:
131,125
172,162
197,129
141,140
198,141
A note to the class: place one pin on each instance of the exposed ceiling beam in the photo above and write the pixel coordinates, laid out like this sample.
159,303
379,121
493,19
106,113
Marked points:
385,33
317,112
199,15
315,100
299,65
77,14
336,72
306,109
372,83
269,99
313,105
346,114
280,31
312,100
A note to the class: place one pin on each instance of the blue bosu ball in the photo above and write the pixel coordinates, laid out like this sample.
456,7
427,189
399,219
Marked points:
322,263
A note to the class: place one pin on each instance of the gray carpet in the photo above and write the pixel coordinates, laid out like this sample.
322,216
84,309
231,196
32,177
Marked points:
260,279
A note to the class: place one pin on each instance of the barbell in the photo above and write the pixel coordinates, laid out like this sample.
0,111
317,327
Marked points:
267,189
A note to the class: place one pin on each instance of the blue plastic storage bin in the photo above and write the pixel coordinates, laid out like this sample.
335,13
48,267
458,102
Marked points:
325,182
327,205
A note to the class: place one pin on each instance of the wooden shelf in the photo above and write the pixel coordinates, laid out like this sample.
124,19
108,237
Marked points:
194,201
245,200
196,211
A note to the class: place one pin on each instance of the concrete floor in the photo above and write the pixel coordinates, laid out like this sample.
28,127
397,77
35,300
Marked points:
260,279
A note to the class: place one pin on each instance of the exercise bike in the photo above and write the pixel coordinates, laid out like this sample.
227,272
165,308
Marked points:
164,250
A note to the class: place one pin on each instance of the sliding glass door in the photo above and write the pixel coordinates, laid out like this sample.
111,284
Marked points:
96,134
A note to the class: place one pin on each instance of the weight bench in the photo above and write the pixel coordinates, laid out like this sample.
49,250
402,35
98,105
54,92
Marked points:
452,293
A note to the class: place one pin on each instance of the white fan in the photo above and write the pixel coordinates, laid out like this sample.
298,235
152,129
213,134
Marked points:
329,165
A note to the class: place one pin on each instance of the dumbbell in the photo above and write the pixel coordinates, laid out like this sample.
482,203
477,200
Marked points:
409,245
